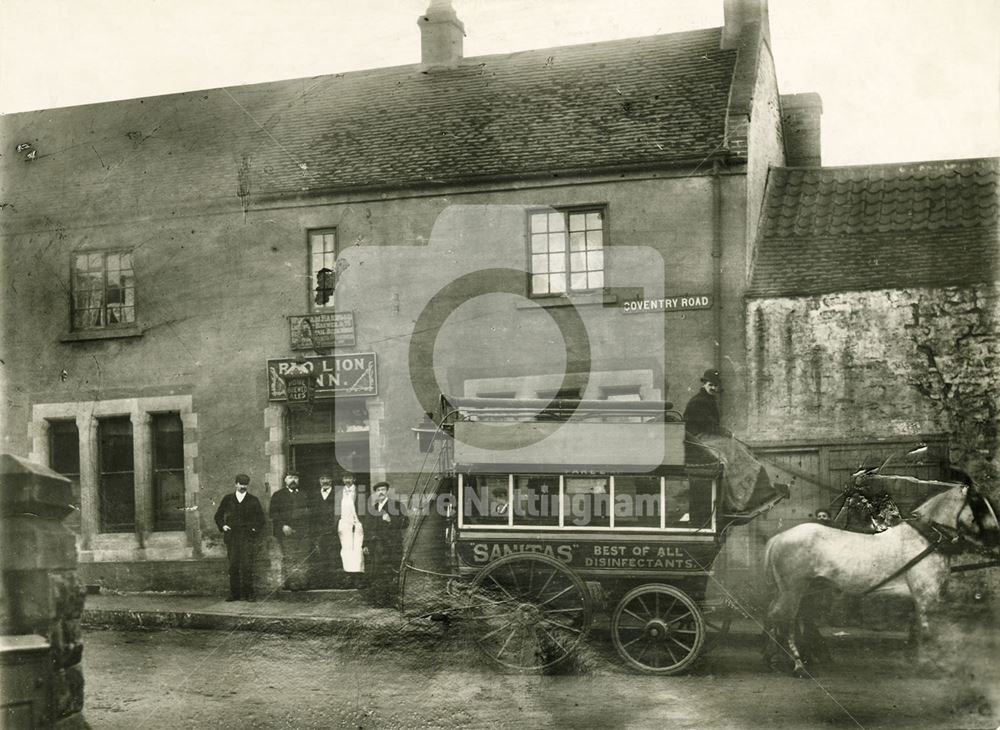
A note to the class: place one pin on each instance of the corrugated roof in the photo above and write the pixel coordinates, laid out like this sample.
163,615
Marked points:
878,227
654,100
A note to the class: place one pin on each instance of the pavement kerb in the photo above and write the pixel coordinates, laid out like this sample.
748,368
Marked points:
363,622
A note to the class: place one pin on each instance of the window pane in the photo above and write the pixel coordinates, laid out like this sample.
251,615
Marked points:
557,263
557,284
168,501
578,281
595,280
594,220
557,242
486,499
95,262
577,241
539,222
637,501
577,221
539,243
587,502
540,284
117,503
595,260
115,444
595,239
536,500
577,261
556,222
168,441
540,264
64,447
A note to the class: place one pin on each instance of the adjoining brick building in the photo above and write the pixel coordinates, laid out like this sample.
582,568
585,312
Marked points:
167,259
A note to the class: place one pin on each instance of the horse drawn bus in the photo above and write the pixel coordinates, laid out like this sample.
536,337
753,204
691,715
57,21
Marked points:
555,509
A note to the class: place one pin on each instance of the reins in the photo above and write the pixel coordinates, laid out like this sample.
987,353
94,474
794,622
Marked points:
913,561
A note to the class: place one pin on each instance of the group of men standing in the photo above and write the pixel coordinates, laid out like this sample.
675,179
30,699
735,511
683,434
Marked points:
332,536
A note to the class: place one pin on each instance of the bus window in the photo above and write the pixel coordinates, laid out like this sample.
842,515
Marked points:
688,503
637,501
587,502
486,499
536,500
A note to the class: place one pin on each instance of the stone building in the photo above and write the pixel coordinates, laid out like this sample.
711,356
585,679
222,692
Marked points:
572,221
873,321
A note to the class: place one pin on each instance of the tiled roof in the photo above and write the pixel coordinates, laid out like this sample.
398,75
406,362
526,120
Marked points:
878,227
642,101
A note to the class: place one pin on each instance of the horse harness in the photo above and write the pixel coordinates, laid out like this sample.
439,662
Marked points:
935,534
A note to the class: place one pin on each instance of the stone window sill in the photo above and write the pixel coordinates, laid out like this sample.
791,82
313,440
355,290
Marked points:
102,334
569,301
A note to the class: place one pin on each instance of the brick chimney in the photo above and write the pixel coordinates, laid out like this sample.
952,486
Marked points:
737,15
800,127
441,34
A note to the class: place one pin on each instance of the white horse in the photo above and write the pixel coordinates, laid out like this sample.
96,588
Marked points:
909,558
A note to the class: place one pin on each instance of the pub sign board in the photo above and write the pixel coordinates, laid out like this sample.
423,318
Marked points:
327,329
353,374
680,303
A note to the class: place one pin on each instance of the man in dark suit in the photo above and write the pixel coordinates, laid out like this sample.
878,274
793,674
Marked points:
240,519
385,523
701,415
324,514
290,522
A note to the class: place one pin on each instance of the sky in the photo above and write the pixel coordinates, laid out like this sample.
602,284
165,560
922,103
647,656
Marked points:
901,80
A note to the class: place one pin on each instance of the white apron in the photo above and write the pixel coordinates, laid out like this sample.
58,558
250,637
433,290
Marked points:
352,535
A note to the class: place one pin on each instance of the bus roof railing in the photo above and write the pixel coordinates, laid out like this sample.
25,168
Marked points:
558,407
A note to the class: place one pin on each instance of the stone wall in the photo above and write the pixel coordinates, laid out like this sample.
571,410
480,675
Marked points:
41,593
879,364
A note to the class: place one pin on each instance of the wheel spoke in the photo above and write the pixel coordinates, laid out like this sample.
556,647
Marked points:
516,586
682,645
547,581
563,610
561,626
643,604
489,616
501,587
564,590
554,640
671,653
683,616
496,631
645,648
507,641
629,643
637,617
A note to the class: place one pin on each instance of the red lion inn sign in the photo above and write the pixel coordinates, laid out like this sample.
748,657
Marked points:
353,374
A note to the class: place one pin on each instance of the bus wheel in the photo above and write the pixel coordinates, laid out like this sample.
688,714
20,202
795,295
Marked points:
528,611
658,629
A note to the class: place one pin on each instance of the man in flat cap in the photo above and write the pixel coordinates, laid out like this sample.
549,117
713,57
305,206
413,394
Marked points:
240,519
385,523
290,523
